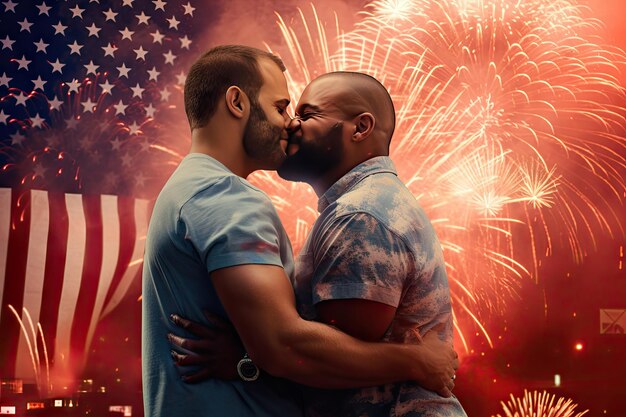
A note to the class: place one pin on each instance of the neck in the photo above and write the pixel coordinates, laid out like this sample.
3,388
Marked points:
324,182
222,149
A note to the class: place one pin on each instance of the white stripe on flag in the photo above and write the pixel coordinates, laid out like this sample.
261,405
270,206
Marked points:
110,253
5,227
136,262
71,279
35,269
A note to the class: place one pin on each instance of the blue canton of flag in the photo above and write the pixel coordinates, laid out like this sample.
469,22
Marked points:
84,86
87,90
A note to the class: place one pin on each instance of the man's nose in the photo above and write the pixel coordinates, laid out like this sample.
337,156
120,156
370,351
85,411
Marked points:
293,125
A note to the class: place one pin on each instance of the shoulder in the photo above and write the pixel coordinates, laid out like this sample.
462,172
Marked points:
229,195
382,196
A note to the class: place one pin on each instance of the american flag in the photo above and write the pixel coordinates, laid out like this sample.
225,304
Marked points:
87,88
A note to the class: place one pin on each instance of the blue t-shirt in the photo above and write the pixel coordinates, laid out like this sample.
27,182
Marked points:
206,218
373,241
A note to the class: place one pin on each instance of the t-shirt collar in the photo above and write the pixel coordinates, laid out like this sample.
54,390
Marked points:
364,169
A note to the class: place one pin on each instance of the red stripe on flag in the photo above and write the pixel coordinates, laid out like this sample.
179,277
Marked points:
89,278
54,270
14,279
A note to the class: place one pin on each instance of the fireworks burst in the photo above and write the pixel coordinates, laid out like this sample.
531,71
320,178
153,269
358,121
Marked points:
31,342
510,132
84,131
537,404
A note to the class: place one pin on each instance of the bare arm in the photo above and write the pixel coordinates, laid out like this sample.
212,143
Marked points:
260,302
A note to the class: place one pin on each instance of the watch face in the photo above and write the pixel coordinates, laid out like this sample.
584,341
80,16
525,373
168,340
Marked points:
247,370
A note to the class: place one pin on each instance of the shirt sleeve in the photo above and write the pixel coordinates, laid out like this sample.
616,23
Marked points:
231,224
358,257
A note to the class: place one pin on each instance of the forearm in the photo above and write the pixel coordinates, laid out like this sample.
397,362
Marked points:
260,303
315,354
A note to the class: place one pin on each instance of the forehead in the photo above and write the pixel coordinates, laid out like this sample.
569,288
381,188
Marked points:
274,83
320,93
327,94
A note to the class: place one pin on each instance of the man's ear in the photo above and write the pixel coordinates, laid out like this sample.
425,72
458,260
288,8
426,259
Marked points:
364,126
236,101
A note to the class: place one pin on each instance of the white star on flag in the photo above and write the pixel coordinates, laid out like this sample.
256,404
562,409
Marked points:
189,9
74,85
159,4
44,8
154,74
109,50
173,22
185,42
91,68
9,6
75,48
55,103
93,30
3,117
143,18
120,108
134,128
137,90
110,15
25,25
4,80
7,43
150,110
106,87
141,53
123,70
157,37
17,139
38,83
56,66
37,120
169,57
88,106
20,99
59,29
77,12
23,63
127,34
41,46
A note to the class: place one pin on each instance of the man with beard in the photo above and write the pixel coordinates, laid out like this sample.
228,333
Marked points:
372,264
215,242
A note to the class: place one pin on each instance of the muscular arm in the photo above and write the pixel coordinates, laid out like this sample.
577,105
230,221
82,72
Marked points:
260,302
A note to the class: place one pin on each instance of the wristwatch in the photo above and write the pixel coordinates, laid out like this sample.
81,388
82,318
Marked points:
247,370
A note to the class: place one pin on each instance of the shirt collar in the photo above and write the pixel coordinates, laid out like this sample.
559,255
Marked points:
344,184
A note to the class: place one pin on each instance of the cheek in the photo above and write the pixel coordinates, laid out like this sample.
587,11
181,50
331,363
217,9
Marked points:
277,120
311,131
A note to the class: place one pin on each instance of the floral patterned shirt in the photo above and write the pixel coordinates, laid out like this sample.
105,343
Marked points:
373,241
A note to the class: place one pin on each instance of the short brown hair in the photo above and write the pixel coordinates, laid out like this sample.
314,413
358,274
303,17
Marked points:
217,70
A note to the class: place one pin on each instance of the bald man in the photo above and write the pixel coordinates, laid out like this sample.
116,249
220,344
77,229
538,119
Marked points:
372,265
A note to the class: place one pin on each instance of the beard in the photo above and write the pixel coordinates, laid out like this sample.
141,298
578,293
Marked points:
314,158
261,139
